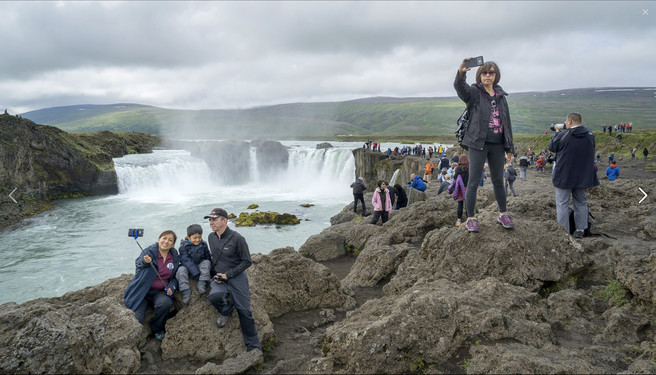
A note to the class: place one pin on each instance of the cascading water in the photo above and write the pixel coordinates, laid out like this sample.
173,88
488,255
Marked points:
84,241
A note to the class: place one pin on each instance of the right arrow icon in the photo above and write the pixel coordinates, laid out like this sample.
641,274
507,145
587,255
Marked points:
643,192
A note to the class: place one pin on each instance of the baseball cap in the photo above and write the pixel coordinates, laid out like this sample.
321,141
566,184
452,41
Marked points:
216,213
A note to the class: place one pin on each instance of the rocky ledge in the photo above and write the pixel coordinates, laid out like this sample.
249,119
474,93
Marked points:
45,163
418,295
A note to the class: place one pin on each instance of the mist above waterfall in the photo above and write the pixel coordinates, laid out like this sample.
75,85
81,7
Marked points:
269,170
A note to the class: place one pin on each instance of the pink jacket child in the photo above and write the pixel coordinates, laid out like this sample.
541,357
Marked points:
377,202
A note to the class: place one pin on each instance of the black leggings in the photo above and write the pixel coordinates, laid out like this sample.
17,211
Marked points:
496,157
460,206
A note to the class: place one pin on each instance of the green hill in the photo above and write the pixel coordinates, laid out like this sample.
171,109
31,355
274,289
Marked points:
531,112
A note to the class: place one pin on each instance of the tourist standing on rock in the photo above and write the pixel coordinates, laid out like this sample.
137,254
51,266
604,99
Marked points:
613,171
458,187
428,169
401,197
444,163
574,171
489,136
382,203
523,166
229,288
358,194
154,282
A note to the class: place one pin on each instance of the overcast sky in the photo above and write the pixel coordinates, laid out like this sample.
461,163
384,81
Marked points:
218,55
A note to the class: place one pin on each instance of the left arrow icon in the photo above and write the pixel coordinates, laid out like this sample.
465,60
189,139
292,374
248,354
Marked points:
12,192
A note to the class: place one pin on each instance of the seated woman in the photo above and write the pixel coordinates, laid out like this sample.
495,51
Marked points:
154,282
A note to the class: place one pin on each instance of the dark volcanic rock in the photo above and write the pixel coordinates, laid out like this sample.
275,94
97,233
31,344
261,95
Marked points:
44,162
324,145
88,331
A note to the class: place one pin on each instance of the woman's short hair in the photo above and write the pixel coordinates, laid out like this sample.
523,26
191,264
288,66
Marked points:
487,66
175,238
380,182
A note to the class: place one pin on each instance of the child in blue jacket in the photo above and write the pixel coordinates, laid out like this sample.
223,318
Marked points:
196,262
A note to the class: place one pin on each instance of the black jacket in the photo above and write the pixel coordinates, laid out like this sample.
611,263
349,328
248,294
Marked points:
574,166
230,253
479,113
358,187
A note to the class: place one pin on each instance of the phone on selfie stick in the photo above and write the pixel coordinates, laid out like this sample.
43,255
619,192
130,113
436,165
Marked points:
136,233
474,62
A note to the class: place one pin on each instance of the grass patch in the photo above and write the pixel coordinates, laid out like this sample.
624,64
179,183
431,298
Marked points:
615,293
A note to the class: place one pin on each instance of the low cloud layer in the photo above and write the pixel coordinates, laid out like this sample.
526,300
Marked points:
197,55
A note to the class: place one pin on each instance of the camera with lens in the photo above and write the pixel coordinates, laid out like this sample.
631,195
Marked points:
218,279
553,127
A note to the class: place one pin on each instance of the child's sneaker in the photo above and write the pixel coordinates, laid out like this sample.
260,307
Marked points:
472,225
506,221
458,222
186,296
201,286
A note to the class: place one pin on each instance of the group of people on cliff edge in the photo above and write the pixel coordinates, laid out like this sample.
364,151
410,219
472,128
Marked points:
161,271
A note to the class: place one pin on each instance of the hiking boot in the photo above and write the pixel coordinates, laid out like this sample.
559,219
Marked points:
578,234
159,336
222,320
472,225
201,286
186,296
458,222
506,221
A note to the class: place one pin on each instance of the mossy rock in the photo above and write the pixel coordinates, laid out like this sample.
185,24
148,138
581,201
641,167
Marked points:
232,216
306,205
253,206
251,219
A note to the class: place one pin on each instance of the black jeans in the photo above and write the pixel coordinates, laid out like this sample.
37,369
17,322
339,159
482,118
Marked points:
161,303
358,197
235,294
378,214
496,157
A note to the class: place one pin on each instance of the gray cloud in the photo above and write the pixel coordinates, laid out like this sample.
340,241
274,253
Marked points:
241,54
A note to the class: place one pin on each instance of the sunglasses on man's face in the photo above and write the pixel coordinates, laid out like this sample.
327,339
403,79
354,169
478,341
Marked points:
488,73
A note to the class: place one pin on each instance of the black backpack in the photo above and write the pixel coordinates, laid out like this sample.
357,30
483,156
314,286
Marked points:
463,124
588,231
512,173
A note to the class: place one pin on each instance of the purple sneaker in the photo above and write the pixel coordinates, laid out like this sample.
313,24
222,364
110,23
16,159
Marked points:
472,225
506,221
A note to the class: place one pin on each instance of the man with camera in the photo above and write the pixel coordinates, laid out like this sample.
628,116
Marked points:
573,171
229,288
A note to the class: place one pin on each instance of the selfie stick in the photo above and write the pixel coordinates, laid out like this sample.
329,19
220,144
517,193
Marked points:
151,262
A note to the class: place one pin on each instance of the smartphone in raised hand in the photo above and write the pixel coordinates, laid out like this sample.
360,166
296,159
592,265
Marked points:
474,62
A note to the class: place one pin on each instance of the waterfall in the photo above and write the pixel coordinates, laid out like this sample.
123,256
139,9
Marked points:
175,175
394,177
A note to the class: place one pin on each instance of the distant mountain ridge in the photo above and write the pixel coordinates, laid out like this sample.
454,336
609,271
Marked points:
531,112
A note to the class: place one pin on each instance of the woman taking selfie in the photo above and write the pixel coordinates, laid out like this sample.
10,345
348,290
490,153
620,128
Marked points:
154,282
488,137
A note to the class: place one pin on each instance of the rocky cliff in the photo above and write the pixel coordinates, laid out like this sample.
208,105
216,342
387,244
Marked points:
374,166
44,163
418,295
